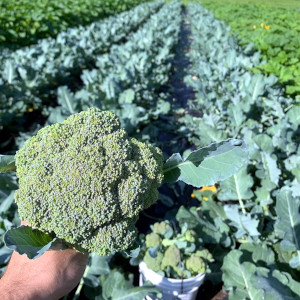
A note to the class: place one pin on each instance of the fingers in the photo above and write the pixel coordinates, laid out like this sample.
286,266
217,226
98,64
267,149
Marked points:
25,223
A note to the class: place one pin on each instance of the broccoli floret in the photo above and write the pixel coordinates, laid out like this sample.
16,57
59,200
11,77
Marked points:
152,240
86,181
161,228
195,265
205,254
153,263
171,257
190,236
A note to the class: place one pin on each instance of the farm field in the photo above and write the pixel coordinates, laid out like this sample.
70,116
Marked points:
178,77
274,32
25,22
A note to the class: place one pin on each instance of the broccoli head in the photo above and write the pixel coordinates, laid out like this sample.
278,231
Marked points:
195,265
161,228
153,263
171,257
152,240
86,181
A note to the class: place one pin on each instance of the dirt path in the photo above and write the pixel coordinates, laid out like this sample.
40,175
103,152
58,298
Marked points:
169,138
180,92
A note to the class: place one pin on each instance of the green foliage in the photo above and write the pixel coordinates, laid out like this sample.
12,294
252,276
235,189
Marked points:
287,225
87,166
105,278
207,165
24,22
34,245
254,230
274,32
30,76
7,163
115,286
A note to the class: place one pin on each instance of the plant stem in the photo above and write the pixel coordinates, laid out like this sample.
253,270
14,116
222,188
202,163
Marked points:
151,217
239,195
288,108
81,283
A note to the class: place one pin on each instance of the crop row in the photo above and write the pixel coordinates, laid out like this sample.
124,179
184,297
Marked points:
127,79
29,75
251,219
274,32
25,22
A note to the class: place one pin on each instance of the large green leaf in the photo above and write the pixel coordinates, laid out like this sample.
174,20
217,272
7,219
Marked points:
26,240
7,163
212,231
268,169
116,287
287,225
99,265
127,97
237,276
6,204
292,164
237,187
207,165
209,134
66,99
260,252
136,293
264,142
294,115
214,208
245,223
9,71
276,285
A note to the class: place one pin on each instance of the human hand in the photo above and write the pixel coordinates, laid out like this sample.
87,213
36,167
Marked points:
48,277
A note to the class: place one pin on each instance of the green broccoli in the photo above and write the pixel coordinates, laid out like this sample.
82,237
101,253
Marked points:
86,181
161,228
195,265
152,240
153,263
190,236
171,257
205,255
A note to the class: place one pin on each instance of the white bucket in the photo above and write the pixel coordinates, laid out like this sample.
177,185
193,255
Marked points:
183,289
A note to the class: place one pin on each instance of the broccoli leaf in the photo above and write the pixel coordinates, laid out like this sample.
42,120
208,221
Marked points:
99,265
135,293
7,163
287,226
237,186
242,277
26,240
116,287
207,165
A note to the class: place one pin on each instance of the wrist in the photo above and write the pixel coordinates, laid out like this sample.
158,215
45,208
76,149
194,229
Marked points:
13,291
20,289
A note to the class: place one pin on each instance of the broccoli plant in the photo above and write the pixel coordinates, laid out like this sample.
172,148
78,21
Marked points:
83,182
